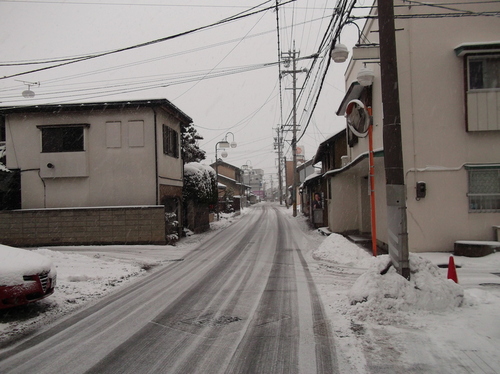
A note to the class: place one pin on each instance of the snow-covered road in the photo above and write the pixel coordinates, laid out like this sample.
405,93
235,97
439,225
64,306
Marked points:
242,301
386,335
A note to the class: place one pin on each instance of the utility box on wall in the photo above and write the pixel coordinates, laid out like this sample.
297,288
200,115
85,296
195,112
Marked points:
421,190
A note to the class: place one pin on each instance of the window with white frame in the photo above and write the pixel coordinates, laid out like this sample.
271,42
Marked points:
484,189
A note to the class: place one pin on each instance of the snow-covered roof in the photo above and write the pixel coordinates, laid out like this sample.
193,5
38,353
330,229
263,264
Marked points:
361,156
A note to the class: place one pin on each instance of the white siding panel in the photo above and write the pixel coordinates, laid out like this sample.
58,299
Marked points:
136,133
483,111
113,134
472,112
491,99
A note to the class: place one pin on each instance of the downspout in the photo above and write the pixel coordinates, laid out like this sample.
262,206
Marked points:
156,156
372,186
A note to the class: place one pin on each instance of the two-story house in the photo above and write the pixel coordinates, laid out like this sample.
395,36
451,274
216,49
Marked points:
104,154
230,182
316,195
449,97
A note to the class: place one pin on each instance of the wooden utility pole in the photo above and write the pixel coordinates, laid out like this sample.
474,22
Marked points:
293,56
279,145
393,150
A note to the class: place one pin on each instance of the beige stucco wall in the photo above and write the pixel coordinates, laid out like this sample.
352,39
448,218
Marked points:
349,209
436,144
170,169
121,174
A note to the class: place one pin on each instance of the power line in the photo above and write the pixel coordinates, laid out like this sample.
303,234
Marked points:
122,4
142,86
437,15
339,18
238,16
60,59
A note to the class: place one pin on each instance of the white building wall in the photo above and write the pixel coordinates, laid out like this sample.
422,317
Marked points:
119,172
436,144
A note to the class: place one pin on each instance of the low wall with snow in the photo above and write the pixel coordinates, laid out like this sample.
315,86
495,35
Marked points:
83,226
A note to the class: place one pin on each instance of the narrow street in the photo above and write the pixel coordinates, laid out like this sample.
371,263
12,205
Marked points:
242,302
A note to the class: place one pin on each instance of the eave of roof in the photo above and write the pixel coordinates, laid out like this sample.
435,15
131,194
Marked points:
354,92
362,156
325,144
478,47
126,104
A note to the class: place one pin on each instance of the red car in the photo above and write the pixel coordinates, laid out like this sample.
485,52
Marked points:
25,276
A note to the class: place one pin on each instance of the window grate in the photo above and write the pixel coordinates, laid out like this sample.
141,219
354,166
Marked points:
484,190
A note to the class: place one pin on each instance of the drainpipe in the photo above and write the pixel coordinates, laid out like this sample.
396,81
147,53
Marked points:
156,156
372,186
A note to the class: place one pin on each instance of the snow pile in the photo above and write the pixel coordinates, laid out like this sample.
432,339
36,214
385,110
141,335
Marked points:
382,297
336,248
388,298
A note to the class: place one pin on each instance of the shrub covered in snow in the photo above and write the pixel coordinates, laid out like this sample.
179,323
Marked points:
199,183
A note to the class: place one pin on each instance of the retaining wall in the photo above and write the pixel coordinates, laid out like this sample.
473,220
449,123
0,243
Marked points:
83,226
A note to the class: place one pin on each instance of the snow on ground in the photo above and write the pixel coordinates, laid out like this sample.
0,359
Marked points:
381,323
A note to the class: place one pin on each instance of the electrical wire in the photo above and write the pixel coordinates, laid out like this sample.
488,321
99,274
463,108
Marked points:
456,12
279,59
121,4
339,17
238,16
94,92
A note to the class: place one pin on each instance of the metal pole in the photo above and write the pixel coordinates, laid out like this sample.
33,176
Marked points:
393,150
372,189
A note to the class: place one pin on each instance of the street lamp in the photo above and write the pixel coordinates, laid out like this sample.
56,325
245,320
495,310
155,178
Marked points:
223,144
339,53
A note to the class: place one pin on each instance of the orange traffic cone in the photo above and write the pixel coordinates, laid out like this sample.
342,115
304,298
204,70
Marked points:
452,271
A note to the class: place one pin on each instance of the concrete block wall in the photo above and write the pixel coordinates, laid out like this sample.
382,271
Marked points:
83,226
197,217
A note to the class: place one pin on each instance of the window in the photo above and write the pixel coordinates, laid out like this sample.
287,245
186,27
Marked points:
65,138
2,129
170,142
484,72
484,189
482,91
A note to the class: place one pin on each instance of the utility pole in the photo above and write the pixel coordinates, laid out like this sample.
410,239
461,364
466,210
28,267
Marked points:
294,136
272,188
293,56
393,150
278,144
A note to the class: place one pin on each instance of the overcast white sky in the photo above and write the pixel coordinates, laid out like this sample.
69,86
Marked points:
246,104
